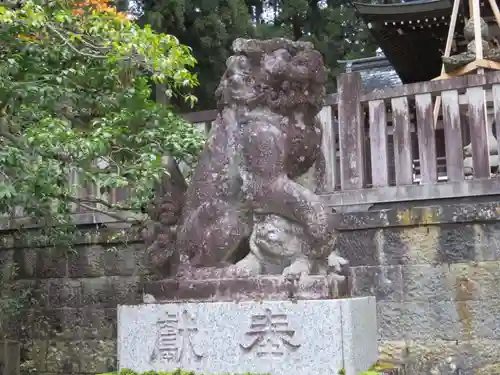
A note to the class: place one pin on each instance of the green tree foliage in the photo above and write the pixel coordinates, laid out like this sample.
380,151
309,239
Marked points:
74,98
331,25
208,27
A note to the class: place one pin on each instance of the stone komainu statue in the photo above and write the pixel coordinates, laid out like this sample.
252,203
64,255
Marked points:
243,210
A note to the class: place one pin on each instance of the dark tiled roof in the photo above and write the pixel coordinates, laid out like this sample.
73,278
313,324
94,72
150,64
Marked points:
411,35
376,72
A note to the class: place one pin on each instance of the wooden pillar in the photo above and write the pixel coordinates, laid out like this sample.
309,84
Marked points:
350,131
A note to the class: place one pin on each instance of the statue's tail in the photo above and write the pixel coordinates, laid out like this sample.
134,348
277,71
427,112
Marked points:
165,211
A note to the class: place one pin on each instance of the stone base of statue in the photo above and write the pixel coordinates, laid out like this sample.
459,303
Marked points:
245,228
261,325
269,287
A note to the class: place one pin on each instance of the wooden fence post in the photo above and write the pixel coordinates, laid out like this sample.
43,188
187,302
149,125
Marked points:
329,149
350,131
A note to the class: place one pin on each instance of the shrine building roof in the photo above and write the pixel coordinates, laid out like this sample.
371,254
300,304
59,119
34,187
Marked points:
413,34
376,72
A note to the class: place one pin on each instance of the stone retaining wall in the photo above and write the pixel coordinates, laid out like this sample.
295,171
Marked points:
70,324
435,272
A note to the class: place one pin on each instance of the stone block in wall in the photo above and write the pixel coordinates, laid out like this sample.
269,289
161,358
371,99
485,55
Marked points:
40,262
9,357
90,323
389,246
98,356
64,292
48,323
383,282
35,351
475,281
75,323
427,282
478,357
25,260
426,244
51,263
7,269
110,291
63,356
124,261
458,281
86,261
81,356
439,320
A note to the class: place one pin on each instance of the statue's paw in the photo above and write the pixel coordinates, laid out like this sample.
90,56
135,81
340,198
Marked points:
335,278
247,267
237,270
300,267
336,261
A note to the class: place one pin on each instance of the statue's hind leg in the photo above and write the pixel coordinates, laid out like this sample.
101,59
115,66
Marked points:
210,235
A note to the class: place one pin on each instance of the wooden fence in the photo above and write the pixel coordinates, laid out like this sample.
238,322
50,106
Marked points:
385,146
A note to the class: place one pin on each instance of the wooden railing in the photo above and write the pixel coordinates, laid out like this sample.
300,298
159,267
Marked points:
385,146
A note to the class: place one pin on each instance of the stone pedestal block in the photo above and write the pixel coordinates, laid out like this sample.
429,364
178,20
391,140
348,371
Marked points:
269,287
300,337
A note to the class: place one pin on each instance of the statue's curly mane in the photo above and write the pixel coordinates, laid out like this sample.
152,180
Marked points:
282,74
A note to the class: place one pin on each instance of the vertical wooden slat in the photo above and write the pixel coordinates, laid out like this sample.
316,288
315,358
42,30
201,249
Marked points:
495,90
203,127
478,132
426,138
328,148
378,143
73,183
350,131
453,136
402,141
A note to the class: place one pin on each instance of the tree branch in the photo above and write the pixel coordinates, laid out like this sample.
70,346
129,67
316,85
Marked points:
94,200
113,215
70,45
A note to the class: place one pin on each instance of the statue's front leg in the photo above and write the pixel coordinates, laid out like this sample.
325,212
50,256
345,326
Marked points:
300,266
270,191
294,202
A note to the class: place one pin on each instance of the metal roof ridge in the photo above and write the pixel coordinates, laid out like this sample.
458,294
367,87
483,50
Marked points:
363,59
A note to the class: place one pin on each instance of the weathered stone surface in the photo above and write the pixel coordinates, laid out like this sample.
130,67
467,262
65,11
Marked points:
98,356
63,356
459,281
51,263
124,261
73,357
73,323
444,357
244,208
303,337
36,352
444,320
241,289
384,282
442,299
437,214
110,291
64,292
431,244
86,262
25,260
9,357
424,282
